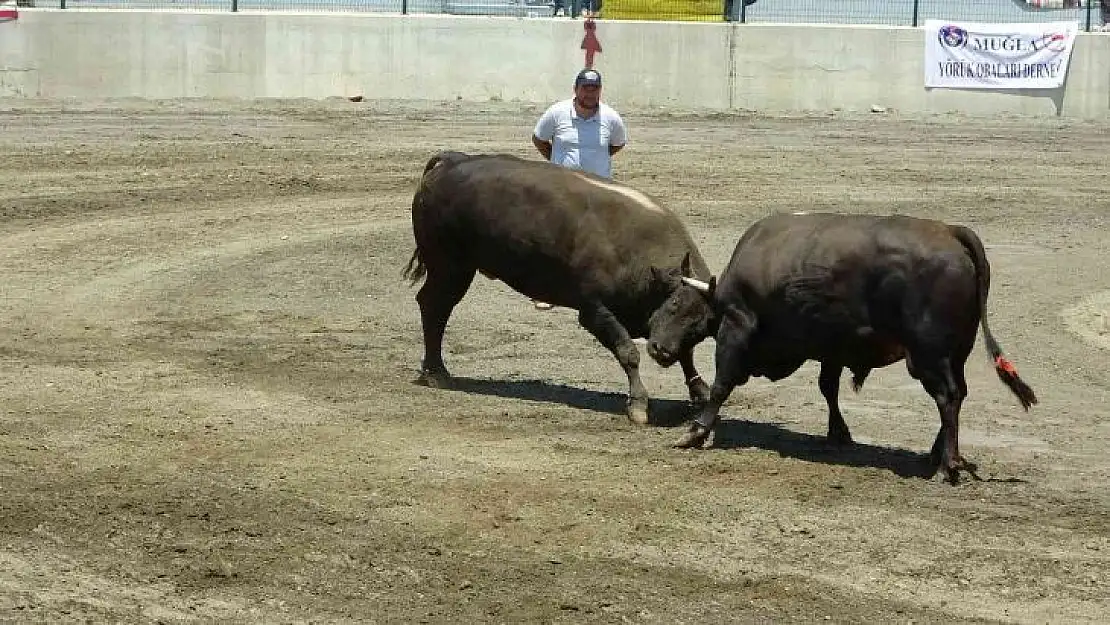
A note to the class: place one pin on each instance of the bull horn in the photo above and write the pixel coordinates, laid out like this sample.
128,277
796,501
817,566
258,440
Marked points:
697,284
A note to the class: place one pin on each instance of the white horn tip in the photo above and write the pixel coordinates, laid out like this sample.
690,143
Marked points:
697,284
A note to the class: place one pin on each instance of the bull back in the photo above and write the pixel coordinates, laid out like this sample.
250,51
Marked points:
546,231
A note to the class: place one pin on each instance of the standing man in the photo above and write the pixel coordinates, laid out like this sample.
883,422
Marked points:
580,133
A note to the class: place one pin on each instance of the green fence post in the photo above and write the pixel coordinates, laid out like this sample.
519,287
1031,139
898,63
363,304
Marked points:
916,11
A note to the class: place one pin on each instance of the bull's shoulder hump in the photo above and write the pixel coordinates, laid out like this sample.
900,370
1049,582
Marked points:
639,198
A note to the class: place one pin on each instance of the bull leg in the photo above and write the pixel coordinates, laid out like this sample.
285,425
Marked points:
699,390
441,292
948,388
829,383
603,325
731,372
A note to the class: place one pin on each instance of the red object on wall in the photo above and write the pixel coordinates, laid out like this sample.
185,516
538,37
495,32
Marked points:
590,43
8,11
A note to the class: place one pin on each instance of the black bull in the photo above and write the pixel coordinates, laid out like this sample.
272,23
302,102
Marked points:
555,235
852,292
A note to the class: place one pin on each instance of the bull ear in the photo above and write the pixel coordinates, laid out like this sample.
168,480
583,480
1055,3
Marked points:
712,286
684,267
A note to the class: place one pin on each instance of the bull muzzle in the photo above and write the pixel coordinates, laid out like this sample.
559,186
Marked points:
661,355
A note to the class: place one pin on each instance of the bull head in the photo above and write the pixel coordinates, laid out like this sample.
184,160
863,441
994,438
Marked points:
684,320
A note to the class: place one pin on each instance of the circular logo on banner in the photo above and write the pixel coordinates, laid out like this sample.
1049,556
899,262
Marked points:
1057,42
952,36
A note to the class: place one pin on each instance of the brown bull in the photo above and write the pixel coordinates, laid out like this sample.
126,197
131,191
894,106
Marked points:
555,235
852,292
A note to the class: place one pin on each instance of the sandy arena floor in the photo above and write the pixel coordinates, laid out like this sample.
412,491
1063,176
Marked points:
207,410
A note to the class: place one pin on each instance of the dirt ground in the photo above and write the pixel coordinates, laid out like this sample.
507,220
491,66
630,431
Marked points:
207,408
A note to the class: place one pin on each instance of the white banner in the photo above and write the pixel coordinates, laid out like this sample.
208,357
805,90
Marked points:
998,56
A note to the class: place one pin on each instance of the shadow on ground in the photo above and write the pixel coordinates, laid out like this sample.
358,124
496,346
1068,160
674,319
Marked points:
664,412
742,434
730,433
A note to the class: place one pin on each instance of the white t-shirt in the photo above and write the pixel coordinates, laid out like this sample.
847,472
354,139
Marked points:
581,142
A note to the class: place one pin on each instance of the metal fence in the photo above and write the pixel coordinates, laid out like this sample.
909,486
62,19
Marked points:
1090,14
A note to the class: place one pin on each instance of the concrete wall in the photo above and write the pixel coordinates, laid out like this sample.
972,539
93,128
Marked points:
776,68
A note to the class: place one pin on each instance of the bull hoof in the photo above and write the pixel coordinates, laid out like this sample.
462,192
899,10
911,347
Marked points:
952,476
434,379
694,438
952,471
638,412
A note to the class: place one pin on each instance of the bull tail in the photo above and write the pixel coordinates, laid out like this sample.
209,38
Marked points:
432,162
415,269
447,156
1003,367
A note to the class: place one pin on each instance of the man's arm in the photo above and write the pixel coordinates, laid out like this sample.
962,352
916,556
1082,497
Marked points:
544,133
544,147
618,134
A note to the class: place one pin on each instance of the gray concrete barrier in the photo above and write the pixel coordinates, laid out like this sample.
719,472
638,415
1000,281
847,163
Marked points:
694,66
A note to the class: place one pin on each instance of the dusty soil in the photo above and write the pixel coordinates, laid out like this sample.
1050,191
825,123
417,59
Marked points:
207,409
